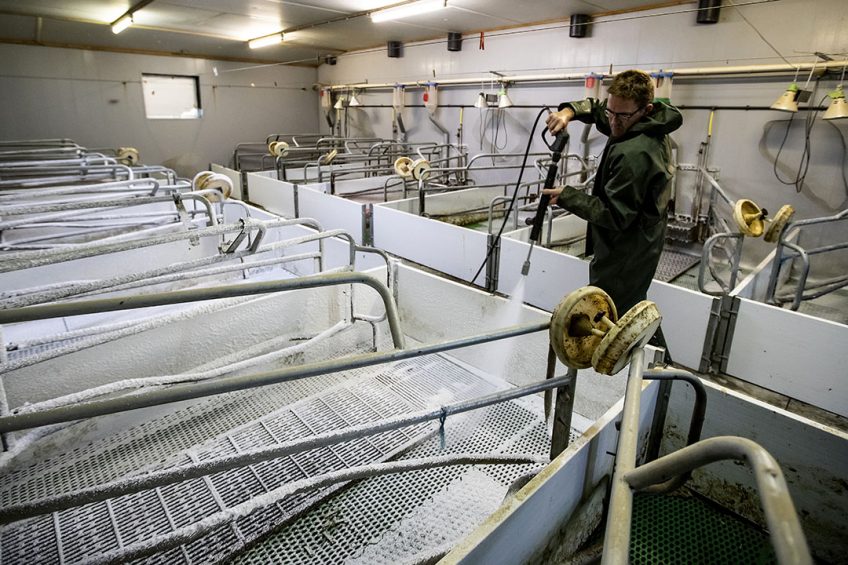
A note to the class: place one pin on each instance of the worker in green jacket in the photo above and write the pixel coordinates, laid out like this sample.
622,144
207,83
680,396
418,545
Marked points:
627,209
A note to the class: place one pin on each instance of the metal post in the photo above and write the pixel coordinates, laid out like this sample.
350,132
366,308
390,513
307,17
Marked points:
562,414
620,508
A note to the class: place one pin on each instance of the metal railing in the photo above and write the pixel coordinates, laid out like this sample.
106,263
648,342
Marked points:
785,531
789,249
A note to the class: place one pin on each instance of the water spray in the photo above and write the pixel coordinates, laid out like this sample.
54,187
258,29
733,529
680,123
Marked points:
556,148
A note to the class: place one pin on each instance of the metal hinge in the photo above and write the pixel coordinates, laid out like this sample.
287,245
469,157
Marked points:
726,324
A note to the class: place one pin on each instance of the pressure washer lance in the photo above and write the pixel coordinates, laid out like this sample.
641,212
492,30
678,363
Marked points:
556,147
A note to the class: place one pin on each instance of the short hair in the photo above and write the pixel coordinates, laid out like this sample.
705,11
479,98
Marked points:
634,85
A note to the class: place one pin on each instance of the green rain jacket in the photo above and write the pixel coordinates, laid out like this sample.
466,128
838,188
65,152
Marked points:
627,209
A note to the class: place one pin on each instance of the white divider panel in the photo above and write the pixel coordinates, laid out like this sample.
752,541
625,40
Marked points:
564,227
813,458
348,186
791,353
552,274
527,523
331,211
686,318
273,195
234,176
460,200
450,249
686,314
433,308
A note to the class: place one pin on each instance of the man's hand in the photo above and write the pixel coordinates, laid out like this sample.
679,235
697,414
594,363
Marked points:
556,121
553,192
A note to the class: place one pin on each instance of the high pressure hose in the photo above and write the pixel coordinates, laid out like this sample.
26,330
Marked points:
556,148
514,194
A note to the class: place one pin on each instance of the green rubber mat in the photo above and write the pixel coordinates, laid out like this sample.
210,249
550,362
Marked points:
683,529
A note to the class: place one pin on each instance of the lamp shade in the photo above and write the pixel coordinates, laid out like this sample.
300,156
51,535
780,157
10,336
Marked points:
788,101
354,101
481,101
339,103
838,108
503,99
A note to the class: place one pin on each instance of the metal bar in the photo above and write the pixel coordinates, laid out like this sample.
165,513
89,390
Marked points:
242,458
805,272
187,534
30,259
29,313
187,391
787,537
706,265
620,508
696,422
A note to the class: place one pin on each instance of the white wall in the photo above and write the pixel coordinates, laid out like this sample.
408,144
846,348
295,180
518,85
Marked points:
95,98
672,41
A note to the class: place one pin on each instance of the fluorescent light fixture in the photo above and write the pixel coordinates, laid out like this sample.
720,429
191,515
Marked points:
122,23
406,10
265,40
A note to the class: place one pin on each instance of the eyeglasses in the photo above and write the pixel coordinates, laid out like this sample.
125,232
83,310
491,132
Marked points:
621,116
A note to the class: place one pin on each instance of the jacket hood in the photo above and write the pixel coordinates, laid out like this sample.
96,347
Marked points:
662,120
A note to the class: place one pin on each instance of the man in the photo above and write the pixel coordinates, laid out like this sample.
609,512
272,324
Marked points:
627,209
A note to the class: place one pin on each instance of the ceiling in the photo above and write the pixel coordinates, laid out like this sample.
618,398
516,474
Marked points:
219,29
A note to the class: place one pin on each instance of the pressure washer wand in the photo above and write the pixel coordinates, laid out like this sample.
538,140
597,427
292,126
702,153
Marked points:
557,147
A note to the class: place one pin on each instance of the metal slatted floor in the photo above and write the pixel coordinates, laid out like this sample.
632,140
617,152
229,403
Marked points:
231,423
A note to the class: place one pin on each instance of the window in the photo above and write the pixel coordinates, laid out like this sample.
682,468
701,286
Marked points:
169,97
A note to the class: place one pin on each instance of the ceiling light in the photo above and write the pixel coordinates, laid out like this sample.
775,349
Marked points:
788,101
122,23
406,10
265,40
126,19
838,108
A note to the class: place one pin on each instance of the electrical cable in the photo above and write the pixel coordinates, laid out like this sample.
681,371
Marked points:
514,194
844,161
806,154
500,118
767,42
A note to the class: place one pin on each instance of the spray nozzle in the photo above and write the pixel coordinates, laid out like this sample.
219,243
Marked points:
525,268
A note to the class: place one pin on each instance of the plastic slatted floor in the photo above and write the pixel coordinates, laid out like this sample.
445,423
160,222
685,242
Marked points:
686,529
231,423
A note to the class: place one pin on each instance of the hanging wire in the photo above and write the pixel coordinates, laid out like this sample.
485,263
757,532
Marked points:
767,42
806,154
500,118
